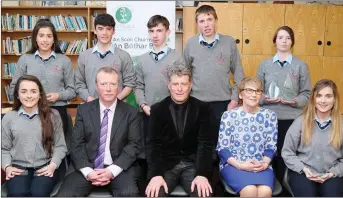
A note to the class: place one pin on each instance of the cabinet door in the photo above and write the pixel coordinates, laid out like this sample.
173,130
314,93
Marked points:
315,65
308,24
334,31
260,22
189,25
333,67
230,19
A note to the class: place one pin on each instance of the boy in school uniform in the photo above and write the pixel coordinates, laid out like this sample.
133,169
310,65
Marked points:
104,54
212,57
152,82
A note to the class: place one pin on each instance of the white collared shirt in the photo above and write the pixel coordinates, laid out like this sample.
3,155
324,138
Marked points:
116,170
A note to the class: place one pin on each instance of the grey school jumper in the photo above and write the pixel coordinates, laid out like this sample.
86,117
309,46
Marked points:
319,156
89,63
298,70
22,140
152,80
211,69
56,75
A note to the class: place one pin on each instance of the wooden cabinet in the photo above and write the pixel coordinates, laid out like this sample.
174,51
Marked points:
333,45
189,24
333,67
308,24
251,63
230,20
315,65
260,22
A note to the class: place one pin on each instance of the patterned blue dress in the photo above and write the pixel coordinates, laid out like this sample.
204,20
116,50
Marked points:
247,136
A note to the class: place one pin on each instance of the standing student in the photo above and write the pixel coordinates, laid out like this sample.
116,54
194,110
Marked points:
103,54
54,70
289,75
212,57
33,144
152,81
313,149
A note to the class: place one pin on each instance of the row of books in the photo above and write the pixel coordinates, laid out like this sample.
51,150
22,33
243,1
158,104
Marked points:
53,3
73,47
18,47
27,22
9,69
9,96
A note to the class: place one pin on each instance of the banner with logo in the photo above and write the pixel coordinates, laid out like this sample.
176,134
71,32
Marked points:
131,32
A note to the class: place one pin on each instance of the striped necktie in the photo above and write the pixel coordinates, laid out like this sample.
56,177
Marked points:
100,156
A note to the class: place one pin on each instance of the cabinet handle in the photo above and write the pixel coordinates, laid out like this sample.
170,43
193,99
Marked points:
319,42
328,43
238,41
247,41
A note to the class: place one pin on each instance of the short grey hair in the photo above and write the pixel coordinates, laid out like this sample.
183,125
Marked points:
179,69
107,70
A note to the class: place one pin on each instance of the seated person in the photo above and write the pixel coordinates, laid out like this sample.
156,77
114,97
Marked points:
105,144
179,143
247,143
313,149
33,144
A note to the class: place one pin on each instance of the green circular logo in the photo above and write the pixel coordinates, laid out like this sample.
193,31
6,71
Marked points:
123,15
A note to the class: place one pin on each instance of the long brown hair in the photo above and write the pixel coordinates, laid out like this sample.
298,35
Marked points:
310,112
44,111
44,23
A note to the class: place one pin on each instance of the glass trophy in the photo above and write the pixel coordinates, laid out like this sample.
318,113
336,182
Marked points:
273,90
288,93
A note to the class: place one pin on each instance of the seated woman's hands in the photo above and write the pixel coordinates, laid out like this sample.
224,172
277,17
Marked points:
315,177
48,170
12,172
253,166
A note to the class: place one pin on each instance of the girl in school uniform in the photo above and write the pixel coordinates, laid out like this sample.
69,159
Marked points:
33,144
54,70
287,86
313,149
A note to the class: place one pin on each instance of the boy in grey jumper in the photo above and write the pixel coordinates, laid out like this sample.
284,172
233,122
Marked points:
151,79
102,55
151,82
213,57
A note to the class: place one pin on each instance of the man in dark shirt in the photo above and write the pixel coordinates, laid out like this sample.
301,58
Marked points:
179,143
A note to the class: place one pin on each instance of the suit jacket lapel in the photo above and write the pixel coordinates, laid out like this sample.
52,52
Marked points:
95,116
191,113
116,118
172,112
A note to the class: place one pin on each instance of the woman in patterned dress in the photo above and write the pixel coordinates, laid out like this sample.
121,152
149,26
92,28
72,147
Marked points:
247,143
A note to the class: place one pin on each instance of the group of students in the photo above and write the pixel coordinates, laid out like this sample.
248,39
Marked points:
188,106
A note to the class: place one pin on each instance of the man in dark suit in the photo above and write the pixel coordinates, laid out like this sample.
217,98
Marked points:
179,144
105,144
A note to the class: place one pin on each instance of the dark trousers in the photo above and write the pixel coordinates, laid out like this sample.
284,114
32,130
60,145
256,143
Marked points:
182,173
30,185
64,116
218,108
278,163
124,185
303,187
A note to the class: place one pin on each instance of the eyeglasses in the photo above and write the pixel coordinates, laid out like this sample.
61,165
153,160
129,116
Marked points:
250,91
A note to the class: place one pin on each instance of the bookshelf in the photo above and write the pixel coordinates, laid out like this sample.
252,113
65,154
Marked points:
87,12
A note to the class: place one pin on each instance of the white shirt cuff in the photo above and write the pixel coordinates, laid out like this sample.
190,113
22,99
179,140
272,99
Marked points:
85,171
116,170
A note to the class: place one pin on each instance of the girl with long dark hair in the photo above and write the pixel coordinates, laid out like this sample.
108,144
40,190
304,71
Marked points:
33,144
